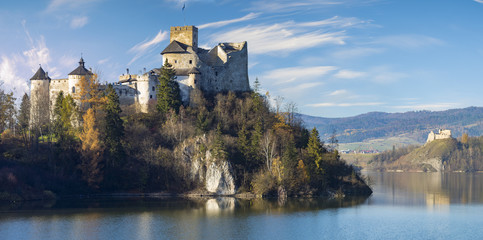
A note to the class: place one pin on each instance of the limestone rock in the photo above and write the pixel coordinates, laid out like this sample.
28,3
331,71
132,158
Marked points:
215,175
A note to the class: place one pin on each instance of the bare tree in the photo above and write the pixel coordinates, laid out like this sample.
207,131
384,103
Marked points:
290,111
278,104
268,147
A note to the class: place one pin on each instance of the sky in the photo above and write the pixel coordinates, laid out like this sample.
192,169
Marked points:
332,58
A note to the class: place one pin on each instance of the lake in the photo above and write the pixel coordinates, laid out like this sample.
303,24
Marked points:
403,206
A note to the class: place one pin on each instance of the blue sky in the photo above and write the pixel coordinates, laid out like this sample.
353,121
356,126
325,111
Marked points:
333,58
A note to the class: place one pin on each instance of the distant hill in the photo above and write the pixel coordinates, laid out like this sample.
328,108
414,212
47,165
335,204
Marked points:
436,156
409,125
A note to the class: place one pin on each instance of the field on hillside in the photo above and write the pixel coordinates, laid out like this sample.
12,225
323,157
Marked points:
380,144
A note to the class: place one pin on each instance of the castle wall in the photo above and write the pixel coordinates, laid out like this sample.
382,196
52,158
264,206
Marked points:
182,60
56,86
227,71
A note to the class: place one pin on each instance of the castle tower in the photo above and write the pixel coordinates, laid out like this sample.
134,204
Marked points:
75,78
39,98
187,35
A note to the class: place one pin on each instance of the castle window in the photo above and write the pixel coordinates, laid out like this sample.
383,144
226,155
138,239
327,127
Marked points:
153,88
191,61
73,89
175,61
216,73
150,96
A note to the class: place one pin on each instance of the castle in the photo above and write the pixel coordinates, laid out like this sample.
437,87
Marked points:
223,68
442,134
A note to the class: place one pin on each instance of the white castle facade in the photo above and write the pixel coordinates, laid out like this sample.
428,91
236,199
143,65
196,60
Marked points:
442,134
222,68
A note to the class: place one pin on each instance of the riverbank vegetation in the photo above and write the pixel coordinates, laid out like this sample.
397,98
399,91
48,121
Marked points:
92,145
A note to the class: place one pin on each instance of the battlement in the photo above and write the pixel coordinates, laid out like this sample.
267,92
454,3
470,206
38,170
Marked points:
186,34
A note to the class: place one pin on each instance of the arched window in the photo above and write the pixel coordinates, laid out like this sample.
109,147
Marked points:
73,89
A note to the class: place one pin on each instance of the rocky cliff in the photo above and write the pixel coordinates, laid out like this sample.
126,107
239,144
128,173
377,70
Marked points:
203,169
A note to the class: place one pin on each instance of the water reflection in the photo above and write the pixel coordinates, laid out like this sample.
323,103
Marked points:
430,189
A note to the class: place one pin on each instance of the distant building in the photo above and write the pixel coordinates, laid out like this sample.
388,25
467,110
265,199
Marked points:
442,134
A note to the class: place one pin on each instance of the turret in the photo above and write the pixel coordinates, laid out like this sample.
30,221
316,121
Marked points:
76,75
39,98
187,35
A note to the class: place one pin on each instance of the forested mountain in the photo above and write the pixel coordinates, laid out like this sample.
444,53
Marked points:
415,124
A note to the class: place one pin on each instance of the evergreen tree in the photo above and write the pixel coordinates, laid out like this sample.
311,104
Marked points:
168,93
315,148
7,111
219,150
113,129
24,117
64,114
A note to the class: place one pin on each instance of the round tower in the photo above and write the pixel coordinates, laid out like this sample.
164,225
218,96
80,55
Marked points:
39,98
75,78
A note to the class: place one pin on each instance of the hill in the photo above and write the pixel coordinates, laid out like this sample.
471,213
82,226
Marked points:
408,126
436,156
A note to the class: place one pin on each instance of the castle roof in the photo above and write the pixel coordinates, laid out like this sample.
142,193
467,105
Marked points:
40,75
81,70
175,47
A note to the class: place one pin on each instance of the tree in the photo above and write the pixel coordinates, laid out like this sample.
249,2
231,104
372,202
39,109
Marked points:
168,93
464,139
7,111
219,150
268,147
65,112
113,129
89,94
24,118
315,148
91,150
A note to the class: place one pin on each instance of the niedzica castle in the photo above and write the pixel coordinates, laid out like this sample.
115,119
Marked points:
442,134
222,68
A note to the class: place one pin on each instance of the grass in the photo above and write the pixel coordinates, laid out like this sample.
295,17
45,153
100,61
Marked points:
380,144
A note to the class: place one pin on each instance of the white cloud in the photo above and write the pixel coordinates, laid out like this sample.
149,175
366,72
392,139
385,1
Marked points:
289,6
356,52
79,22
356,104
147,45
301,87
338,92
103,61
10,78
348,74
226,22
336,21
37,54
409,41
55,5
286,75
279,38
430,106
384,74
479,1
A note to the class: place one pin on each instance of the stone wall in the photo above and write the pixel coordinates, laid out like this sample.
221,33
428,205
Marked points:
186,34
